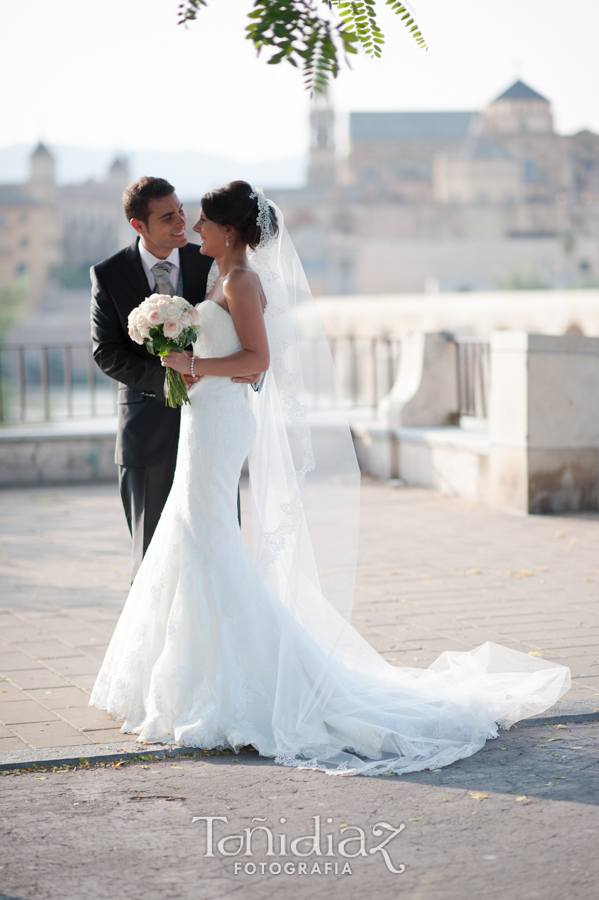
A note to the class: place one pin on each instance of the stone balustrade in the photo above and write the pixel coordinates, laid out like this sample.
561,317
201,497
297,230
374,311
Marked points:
539,453
541,450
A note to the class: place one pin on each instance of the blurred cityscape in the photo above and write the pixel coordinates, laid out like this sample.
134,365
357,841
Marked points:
449,201
424,202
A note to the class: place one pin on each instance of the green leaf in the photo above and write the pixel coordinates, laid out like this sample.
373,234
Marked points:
294,31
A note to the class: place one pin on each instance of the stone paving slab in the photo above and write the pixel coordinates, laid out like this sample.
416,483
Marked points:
435,573
41,677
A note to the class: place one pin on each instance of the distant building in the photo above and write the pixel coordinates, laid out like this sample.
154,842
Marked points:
50,234
30,228
448,201
424,201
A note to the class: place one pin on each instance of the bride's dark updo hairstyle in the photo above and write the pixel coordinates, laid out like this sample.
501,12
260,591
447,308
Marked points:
232,205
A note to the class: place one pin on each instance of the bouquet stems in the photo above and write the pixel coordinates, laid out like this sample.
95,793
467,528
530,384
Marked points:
176,394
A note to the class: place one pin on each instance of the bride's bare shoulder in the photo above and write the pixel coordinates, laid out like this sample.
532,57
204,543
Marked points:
243,283
243,276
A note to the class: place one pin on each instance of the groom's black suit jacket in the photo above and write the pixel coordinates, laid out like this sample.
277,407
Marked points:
148,431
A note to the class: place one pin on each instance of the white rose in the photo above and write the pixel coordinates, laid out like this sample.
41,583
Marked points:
155,317
185,319
172,312
139,319
135,335
171,329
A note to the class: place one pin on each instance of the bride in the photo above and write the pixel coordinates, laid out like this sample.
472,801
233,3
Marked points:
220,648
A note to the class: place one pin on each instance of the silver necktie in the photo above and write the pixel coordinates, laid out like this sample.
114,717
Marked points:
161,273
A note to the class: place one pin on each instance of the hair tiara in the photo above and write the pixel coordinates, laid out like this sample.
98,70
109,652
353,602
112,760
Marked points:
263,220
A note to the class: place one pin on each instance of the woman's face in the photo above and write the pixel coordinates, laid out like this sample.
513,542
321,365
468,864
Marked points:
213,236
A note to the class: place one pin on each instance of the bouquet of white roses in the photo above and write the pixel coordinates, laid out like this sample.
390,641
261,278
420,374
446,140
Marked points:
165,323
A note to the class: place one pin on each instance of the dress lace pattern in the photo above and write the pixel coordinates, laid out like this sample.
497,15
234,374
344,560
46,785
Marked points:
212,276
206,655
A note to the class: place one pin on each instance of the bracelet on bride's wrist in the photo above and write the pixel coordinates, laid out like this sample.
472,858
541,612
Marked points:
193,359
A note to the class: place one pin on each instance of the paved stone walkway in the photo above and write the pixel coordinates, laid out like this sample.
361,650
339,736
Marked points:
435,573
516,821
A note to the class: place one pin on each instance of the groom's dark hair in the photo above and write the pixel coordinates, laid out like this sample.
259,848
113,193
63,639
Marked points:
137,197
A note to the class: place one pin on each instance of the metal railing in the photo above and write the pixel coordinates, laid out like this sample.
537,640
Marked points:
52,382
47,382
473,372
366,369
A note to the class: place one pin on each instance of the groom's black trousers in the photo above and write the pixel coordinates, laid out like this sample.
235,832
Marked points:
144,492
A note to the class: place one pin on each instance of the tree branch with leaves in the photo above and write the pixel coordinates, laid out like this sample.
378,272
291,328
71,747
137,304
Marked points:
314,39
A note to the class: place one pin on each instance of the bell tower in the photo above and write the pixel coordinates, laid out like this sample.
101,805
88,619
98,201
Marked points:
42,180
321,169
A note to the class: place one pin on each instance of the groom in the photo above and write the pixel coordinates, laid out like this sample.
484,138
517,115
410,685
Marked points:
160,260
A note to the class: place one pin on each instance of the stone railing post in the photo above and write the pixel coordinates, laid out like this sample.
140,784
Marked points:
424,395
426,388
543,422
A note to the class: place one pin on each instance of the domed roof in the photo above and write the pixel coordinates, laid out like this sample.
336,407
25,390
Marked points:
520,91
119,164
42,150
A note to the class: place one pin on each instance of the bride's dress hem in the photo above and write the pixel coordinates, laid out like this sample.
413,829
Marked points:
377,767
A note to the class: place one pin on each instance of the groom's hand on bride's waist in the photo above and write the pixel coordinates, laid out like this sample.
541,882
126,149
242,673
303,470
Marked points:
247,379
243,379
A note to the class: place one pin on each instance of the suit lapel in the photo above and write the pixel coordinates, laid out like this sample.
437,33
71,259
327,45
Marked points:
136,275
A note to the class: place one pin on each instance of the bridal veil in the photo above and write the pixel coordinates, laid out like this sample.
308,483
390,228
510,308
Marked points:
303,530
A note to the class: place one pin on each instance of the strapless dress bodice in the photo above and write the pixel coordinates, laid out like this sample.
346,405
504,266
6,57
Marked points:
216,331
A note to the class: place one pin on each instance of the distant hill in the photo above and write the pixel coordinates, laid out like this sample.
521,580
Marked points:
191,173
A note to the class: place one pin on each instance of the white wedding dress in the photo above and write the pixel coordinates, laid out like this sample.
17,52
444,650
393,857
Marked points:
206,655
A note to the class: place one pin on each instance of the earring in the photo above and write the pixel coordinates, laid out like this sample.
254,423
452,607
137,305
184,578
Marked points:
227,241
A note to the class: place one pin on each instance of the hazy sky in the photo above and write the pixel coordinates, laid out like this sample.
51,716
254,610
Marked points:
121,73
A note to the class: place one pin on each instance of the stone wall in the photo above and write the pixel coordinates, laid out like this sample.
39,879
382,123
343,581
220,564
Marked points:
52,456
470,313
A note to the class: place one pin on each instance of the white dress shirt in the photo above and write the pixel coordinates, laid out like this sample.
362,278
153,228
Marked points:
148,260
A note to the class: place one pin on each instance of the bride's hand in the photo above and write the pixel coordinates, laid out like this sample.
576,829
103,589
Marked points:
180,362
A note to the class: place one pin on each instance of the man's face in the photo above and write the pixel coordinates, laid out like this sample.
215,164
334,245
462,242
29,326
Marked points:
165,228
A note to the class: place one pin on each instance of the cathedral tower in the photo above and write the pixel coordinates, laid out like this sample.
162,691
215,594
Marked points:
321,169
42,180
